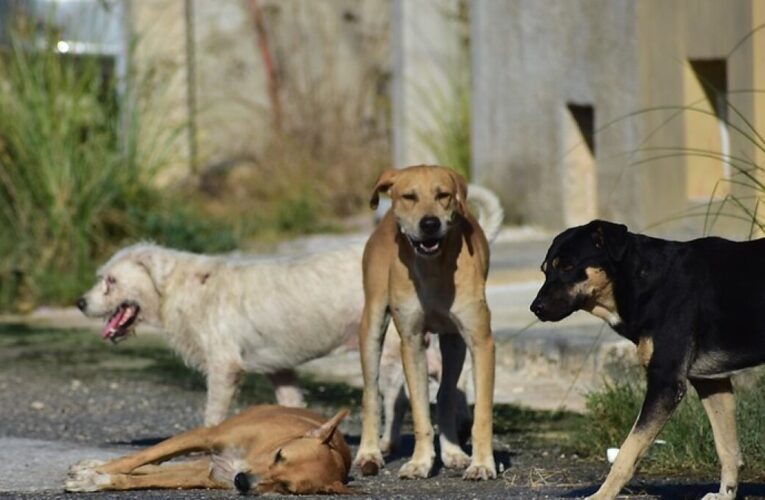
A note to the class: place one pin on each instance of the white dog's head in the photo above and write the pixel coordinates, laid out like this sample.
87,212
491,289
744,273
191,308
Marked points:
129,289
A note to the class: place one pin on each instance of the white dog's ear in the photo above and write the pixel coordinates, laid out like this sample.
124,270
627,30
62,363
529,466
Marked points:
158,264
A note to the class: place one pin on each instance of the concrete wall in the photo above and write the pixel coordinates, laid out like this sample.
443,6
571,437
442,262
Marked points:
532,59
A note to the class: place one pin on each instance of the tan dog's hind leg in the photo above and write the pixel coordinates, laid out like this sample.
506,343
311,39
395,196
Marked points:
222,384
416,371
183,475
453,356
719,402
374,322
477,335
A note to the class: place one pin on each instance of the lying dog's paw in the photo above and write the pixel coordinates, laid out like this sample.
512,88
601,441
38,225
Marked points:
85,464
369,462
456,459
415,469
478,472
87,480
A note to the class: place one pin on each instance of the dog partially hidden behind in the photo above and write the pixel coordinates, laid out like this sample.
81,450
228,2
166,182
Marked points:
694,310
426,266
229,315
269,449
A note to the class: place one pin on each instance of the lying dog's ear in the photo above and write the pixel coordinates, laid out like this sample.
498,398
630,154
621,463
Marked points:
612,237
327,430
460,187
383,184
157,262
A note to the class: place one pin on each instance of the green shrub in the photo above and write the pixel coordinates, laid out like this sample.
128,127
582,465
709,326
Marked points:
689,442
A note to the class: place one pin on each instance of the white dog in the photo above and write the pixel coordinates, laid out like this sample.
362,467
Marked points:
229,315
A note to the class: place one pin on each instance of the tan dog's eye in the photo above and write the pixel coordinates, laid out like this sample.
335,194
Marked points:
443,196
409,196
279,457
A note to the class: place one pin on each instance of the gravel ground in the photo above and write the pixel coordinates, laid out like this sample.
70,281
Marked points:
67,387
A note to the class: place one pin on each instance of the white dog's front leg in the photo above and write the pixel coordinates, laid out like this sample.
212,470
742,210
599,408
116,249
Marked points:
221,387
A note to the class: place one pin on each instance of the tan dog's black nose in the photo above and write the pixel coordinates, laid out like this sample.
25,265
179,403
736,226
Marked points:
81,303
430,225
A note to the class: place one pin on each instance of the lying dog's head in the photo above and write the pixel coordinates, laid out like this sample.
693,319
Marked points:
317,462
129,289
426,201
579,269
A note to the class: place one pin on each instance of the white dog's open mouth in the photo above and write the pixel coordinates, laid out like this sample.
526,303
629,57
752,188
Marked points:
118,325
427,247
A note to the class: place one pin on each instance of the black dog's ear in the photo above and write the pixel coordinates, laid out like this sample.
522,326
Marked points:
611,236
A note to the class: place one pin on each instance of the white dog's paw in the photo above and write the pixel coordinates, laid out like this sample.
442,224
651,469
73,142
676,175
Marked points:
85,465
480,472
386,446
87,480
369,462
455,459
718,496
416,469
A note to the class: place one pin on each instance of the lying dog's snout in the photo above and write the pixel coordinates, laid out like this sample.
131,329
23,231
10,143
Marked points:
430,225
242,482
81,304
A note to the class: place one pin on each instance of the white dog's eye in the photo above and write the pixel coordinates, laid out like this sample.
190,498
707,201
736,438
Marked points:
110,280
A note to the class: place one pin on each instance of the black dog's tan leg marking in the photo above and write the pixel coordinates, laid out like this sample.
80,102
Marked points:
645,351
720,404
665,391
453,355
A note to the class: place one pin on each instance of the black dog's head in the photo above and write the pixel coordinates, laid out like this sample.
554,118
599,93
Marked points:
579,270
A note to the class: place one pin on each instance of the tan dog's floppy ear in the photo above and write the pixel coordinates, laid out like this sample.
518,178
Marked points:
384,182
327,430
460,185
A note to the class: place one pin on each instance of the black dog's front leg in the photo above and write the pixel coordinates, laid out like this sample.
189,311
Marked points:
666,388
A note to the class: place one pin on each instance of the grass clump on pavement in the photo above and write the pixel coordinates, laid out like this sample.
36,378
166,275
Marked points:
686,442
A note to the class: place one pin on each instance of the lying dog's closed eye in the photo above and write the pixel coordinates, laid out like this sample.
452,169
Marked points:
693,309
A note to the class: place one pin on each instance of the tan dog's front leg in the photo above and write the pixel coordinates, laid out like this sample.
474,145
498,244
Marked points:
478,337
416,372
374,322
222,384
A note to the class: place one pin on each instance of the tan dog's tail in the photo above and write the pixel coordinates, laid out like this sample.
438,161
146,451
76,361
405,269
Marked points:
490,213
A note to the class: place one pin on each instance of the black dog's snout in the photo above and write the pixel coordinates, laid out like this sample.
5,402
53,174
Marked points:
81,303
537,307
430,225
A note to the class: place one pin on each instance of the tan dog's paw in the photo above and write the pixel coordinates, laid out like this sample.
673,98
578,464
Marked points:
84,465
415,469
87,480
455,459
369,462
480,472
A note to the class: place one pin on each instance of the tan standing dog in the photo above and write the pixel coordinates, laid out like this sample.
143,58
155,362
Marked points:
267,448
426,265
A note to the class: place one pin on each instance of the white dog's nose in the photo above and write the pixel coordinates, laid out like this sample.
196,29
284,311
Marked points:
81,304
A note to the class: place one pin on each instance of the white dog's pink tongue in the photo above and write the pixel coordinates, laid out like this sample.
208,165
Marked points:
112,325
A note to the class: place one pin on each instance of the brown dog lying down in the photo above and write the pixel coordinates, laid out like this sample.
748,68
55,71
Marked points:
266,448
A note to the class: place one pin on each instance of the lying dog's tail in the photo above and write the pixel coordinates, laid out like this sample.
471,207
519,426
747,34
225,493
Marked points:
490,213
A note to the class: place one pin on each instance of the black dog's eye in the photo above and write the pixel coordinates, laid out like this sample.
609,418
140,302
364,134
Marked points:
566,267
409,196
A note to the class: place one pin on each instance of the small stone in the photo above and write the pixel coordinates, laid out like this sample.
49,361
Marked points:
76,384
114,386
37,405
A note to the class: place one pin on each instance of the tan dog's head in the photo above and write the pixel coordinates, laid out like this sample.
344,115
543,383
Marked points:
426,202
129,289
317,462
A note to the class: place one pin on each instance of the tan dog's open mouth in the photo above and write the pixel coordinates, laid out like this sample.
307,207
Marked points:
119,324
427,247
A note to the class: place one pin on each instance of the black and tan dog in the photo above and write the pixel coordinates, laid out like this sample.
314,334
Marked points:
694,310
